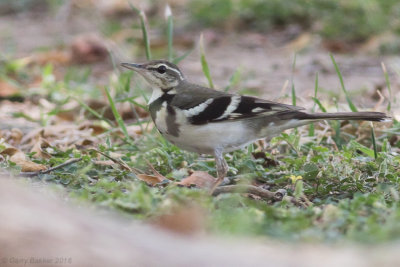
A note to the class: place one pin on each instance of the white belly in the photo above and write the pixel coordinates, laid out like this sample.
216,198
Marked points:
229,135
205,138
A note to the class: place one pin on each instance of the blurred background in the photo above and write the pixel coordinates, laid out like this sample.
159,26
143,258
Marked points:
63,95
252,41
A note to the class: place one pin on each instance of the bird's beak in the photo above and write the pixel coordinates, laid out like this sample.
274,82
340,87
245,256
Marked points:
132,66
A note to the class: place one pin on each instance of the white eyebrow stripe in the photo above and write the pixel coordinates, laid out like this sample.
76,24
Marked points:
235,101
168,67
177,71
197,109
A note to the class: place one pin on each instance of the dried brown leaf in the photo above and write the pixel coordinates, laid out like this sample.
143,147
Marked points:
16,136
29,166
96,129
86,142
134,129
39,147
12,137
151,179
19,158
104,162
199,178
9,151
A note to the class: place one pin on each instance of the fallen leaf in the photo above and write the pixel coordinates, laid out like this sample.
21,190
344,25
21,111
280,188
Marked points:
151,179
96,129
199,178
136,129
39,147
67,115
9,151
19,158
86,142
16,136
104,162
29,166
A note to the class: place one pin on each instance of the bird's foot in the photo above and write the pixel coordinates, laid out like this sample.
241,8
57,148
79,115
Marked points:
216,184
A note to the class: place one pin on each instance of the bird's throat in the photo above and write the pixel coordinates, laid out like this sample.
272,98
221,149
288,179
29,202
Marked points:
157,93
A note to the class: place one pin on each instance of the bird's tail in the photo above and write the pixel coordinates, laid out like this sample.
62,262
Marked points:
294,118
363,116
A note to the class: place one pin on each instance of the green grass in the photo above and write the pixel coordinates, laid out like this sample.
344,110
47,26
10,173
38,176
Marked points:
353,189
204,63
348,99
348,21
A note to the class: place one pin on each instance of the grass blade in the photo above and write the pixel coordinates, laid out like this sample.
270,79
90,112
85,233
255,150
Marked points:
204,63
293,87
336,126
293,95
321,107
117,116
137,104
170,31
145,35
311,131
134,8
234,80
374,141
180,58
389,106
93,112
315,89
367,151
146,39
349,102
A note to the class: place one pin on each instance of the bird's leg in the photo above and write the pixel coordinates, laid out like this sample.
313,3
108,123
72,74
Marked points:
221,166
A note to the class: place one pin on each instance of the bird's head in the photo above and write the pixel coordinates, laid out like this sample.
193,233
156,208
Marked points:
159,73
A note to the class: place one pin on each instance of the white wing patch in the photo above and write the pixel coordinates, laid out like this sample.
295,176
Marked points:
258,109
235,101
197,109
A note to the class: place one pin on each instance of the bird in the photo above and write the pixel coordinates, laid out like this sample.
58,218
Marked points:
207,121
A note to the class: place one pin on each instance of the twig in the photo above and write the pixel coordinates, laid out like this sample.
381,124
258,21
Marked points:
117,161
33,174
251,189
229,180
155,172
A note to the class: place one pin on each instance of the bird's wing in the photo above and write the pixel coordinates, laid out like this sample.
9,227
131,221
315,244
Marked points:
215,106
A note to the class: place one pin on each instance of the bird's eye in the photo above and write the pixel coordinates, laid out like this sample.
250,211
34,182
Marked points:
162,69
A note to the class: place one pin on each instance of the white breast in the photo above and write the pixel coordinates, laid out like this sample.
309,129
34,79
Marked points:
161,122
229,135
